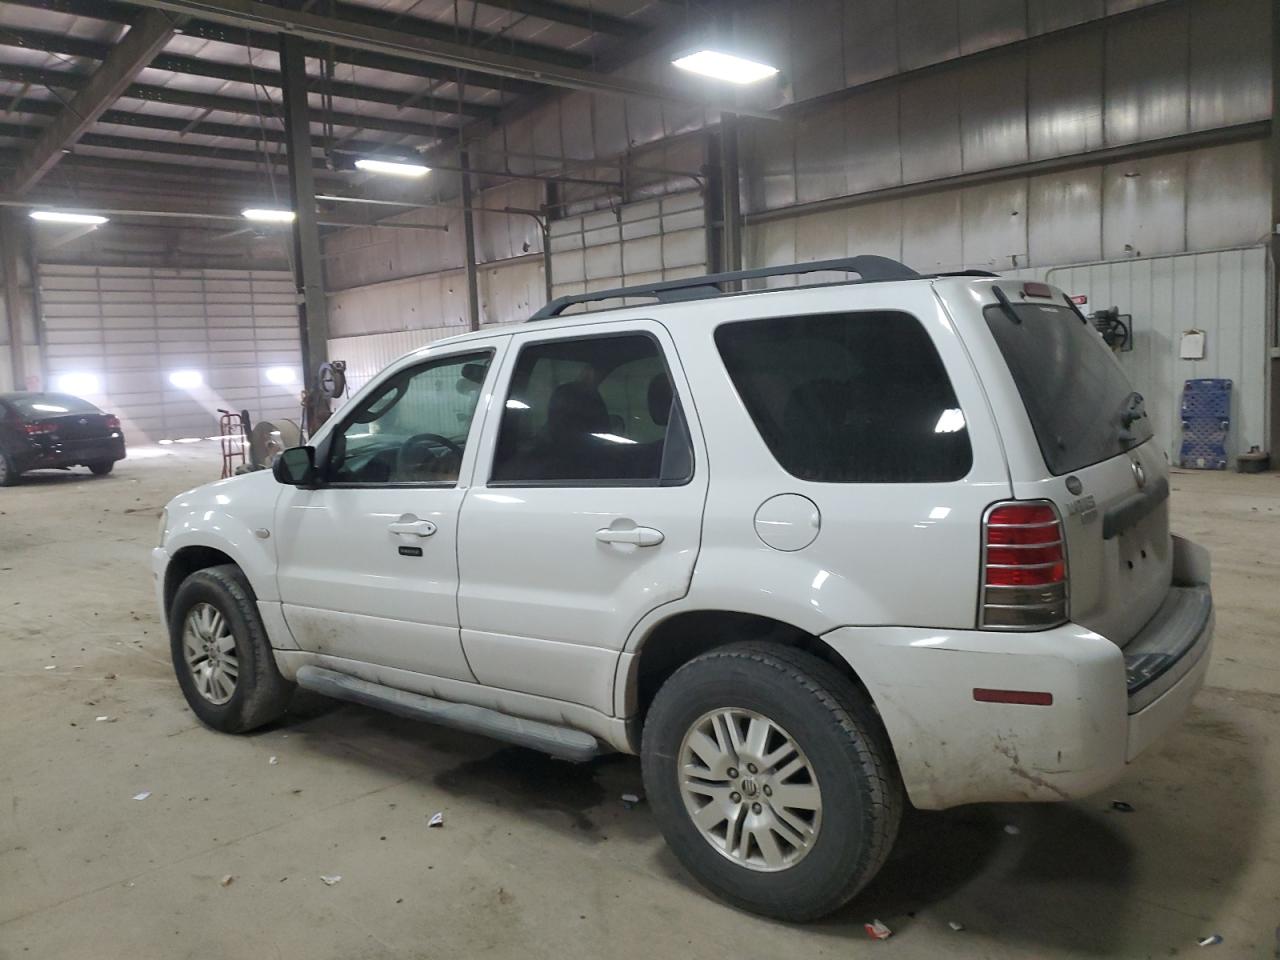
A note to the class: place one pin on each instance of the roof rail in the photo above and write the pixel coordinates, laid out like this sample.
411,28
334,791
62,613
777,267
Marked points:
869,268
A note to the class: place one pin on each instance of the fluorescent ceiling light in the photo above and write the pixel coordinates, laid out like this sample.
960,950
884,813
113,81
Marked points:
281,375
186,379
393,167
725,66
268,216
58,216
77,384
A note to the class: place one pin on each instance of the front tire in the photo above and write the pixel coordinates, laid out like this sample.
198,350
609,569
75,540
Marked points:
102,467
8,473
771,779
221,654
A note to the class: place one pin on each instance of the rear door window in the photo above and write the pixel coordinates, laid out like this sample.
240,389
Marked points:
849,397
1080,402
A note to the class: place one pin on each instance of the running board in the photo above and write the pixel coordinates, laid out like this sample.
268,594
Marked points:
562,742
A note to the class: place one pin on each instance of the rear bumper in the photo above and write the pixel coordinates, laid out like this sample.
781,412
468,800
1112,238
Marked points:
1108,704
69,454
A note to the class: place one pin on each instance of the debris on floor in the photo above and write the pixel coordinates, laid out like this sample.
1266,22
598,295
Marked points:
329,881
52,666
630,800
226,881
437,820
877,930
1010,829
143,795
1210,941
273,761
109,676
957,927
105,719
1122,805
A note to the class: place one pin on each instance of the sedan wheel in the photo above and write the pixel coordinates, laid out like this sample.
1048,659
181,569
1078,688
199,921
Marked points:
210,651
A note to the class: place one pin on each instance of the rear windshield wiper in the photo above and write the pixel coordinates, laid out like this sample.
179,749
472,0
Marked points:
1133,409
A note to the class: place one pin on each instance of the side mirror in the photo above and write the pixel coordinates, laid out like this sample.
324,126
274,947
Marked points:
296,467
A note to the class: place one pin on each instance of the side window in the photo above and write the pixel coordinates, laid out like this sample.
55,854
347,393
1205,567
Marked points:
413,429
589,412
849,397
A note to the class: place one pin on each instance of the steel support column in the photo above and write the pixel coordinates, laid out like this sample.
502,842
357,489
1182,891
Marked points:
1273,335
308,265
730,197
469,243
10,249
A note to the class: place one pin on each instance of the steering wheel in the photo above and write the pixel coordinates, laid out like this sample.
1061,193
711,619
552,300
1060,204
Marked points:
420,439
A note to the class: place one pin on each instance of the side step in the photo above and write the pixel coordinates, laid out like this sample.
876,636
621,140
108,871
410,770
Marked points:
561,742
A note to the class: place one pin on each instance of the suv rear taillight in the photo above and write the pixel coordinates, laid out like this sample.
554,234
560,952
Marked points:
1024,567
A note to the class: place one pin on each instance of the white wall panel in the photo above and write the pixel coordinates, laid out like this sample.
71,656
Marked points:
132,326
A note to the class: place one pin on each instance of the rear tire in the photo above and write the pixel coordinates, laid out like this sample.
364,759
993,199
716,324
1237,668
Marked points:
793,845
102,467
8,474
221,654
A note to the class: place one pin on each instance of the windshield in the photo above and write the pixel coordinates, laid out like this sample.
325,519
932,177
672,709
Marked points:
36,405
1082,406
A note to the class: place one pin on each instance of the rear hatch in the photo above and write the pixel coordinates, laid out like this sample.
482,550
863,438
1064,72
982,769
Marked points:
1080,437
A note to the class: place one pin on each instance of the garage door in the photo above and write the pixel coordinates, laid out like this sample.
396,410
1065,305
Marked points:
164,349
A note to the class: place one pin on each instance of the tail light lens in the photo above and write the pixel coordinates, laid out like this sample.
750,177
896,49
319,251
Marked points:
1024,567
113,422
40,429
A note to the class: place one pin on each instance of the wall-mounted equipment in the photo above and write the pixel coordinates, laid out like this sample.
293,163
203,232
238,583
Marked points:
1115,327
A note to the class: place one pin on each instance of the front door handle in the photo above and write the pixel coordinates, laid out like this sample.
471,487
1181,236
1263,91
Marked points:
639,536
409,525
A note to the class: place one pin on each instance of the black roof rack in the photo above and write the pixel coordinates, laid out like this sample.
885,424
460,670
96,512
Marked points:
869,268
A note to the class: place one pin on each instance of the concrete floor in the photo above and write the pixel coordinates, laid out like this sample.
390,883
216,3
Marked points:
538,858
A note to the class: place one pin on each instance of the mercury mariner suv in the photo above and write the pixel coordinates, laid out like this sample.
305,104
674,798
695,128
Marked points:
812,552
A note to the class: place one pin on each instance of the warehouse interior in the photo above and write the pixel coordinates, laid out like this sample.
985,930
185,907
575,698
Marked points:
205,202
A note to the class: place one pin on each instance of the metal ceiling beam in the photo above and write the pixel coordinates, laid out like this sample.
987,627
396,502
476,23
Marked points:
64,80
572,16
351,33
111,10
148,34
70,46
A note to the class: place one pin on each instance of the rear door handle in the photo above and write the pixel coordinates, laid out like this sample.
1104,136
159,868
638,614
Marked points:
412,527
639,536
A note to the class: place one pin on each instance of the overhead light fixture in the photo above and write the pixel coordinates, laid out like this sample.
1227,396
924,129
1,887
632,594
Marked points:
266,215
59,216
394,167
725,66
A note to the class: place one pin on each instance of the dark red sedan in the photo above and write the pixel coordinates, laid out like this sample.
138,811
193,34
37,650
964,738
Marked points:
55,430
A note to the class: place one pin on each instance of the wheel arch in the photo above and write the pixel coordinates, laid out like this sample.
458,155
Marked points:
670,643
186,561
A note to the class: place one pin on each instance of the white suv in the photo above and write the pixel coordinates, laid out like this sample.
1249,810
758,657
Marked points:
811,552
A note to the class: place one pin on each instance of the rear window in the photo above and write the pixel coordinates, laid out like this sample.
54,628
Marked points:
849,397
49,404
1081,404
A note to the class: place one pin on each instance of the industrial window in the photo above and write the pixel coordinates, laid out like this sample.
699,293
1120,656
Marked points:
849,397
592,412
413,428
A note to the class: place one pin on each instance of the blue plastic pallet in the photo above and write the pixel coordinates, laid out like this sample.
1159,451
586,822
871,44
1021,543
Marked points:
1206,422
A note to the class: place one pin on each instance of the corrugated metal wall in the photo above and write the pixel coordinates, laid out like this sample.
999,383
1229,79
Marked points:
660,239
372,325
1173,68
130,327
1223,293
